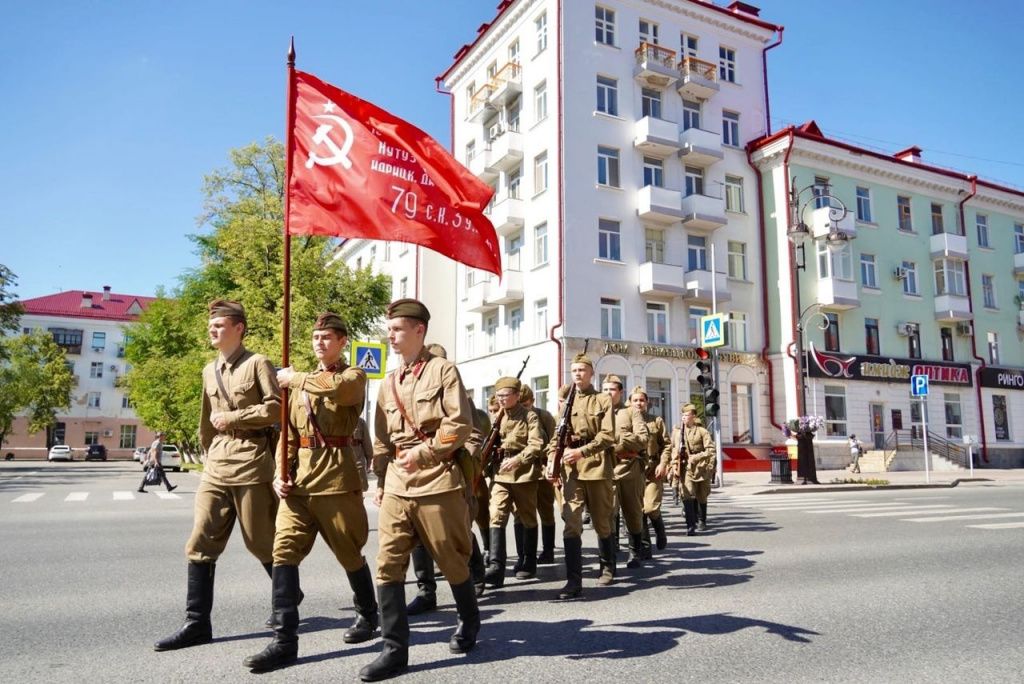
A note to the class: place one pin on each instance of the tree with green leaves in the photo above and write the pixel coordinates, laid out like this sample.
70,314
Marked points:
36,381
241,258
10,307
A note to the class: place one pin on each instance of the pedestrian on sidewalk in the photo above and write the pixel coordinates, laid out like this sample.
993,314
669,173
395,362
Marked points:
856,450
156,449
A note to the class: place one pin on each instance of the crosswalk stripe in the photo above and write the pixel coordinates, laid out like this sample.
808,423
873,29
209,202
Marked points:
167,495
124,496
998,526
909,508
811,504
28,498
77,496
976,516
890,514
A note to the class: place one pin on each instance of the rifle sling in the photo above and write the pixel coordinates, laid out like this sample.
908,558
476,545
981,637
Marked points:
223,390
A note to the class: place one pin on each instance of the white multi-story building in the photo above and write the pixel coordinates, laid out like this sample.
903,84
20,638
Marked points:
90,327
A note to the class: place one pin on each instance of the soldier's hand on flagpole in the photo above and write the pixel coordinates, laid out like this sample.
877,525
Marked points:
282,487
284,376
659,472
219,421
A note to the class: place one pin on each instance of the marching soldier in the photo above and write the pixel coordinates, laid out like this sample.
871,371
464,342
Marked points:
630,451
586,477
363,445
423,418
693,458
240,403
515,482
323,493
545,490
658,445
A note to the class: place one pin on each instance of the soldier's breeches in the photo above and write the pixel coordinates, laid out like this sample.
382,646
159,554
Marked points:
546,502
480,507
652,498
439,521
630,493
523,495
339,518
696,489
595,495
216,509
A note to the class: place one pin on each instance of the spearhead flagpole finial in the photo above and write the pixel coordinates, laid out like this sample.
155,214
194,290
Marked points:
291,52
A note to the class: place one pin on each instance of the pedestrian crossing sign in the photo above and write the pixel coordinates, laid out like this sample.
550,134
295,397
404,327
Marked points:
712,330
371,357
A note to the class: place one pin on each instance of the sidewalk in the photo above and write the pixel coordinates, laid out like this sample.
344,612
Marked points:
741,484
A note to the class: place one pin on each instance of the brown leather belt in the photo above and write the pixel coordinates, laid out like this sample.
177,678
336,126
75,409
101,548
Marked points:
313,442
244,434
577,442
628,455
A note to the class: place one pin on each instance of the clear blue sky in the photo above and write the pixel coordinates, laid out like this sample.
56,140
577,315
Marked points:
114,111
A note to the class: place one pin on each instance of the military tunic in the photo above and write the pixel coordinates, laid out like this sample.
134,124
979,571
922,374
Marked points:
700,465
427,505
545,490
520,437
362,442
327,484
630,446
239,465
659,449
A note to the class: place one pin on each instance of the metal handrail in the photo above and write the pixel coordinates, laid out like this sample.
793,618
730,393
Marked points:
698,67
650,51
937,444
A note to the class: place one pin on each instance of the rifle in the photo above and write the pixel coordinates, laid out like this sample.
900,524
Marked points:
489,451
563,430
684,457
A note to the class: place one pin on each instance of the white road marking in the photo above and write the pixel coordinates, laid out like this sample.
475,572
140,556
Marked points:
124,496
167,495
77,496
891,514
28,498
999,526
977,516
909,508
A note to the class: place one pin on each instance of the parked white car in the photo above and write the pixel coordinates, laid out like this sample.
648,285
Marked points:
170,458
60,452
140,454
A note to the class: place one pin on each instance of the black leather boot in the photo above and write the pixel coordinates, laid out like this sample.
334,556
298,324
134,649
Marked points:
606,553
426,585
636,550
702,510
464,638
198,604
573,568
477,567
517,532
495,576
529,567
547,555
616,532
645,540
284,649
690,511
365,603
394,631
660,538
269,567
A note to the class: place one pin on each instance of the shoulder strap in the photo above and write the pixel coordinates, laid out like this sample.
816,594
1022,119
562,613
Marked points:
422,436
223,390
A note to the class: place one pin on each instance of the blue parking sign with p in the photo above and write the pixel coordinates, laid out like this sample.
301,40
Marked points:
371,357
919,385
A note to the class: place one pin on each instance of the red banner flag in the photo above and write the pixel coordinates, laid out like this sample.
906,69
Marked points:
359,171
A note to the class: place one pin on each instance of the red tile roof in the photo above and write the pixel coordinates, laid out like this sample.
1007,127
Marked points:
120,307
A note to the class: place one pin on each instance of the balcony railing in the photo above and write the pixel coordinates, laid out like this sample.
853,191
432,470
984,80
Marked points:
697,79
655,65
649,52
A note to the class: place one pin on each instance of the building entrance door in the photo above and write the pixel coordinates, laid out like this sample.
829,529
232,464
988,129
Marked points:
659,393
878,425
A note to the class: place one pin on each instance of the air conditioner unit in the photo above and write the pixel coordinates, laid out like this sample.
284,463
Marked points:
963,328
906,329
495,131
114,367
108,433
900,273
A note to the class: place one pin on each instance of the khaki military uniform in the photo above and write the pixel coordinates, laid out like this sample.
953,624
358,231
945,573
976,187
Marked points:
659,450
588,482
630,451
239,467
545,490
480,502
427,505
326,495
362,443
695,482
520,437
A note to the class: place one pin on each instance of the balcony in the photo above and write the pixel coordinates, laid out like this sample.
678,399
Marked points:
508,291
837,295
700,148
660,280
952,308
655,66
656,136
948,245
698,80
507,150
697,287
824,218
482,165
507,84
479,104
478,297
660,205
507,215
1018,264
703,213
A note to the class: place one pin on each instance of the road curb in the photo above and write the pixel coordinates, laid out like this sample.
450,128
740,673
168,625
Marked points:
812,489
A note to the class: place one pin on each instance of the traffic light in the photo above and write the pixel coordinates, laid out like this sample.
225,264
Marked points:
706,380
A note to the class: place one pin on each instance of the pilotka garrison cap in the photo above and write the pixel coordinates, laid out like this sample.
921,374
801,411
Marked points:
224,307
525,393
638,390
689,408
507,383
408,308
583,358
437,350
331,321
613,380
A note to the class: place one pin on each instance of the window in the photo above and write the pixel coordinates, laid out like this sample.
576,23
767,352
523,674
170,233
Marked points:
470,94
611,319
512,180
126,403
954,416
687,45
1020,293
988,291
91,438
650,102
607,95
737,260
654,245
727,64
914,341
863,204
470,277
93,400
654,173
470,340
981,222
949,277
604,25
128,436
69,340
821,189
693,316
540,102
540,24
513,250
993,347
608,166
903,214
696,253
540,244
99,341
910,281
835,411
648,32
832,332
492,70
734,194
691,115
838,264
694,181
608,240
657,322
513,51
731,129
868,271
1018,238
515,324
871,343
946,335
937,227
490,332
540,391
96,369
540,318
742,396
540,173
738,331
403,288
512,114
1000,417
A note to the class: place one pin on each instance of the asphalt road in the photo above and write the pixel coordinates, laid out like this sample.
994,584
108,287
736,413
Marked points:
876,586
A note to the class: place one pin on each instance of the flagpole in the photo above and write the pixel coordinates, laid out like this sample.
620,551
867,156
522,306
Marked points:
286,308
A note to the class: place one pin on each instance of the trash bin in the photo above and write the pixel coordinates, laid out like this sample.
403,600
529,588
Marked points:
782,470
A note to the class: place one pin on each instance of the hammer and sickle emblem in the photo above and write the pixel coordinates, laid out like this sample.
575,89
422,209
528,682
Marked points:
322,136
